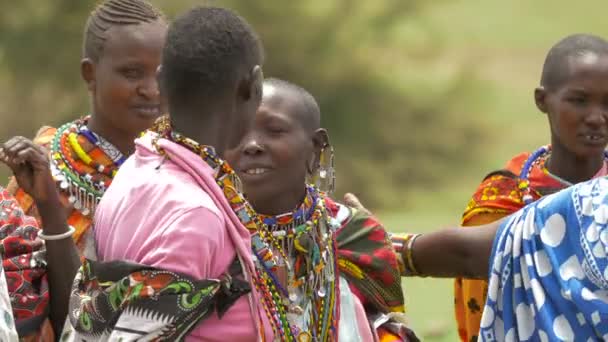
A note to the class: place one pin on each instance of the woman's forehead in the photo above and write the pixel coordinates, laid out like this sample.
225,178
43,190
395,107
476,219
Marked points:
124,38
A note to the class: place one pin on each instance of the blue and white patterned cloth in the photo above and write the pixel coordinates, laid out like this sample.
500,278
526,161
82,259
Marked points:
549,275
8,332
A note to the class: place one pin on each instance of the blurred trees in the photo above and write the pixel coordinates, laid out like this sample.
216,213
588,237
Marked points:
393,101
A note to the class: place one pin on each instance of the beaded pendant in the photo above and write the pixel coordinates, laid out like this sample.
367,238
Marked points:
70,166
296,267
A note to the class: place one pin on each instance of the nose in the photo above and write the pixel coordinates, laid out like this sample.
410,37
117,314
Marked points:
149,88
252,146
598,117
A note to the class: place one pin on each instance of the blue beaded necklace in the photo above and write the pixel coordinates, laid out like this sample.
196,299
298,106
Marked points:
524,183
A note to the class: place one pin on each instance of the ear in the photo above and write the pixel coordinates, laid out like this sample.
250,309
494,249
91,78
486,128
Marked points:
87,72
540,97
251,88
159,78
320,140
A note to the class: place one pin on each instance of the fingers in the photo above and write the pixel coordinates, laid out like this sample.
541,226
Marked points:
352,201
19,150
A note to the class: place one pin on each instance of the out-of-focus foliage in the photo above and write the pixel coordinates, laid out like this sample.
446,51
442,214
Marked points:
393,104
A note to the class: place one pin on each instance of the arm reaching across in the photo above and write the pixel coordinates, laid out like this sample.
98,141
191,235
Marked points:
451,252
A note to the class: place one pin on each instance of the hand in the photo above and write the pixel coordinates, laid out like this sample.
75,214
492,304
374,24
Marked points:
352,201
30,165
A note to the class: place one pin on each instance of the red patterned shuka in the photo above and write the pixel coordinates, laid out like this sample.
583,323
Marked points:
25,269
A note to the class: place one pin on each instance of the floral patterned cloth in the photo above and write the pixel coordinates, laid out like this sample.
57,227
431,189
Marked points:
126,301
366,258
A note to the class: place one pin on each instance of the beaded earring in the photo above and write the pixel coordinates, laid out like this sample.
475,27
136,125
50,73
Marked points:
325,176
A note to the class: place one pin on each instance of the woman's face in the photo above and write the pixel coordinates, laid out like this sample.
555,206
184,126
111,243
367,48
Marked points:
123,81
578,108
274,156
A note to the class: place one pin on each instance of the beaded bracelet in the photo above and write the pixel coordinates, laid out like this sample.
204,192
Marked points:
54,237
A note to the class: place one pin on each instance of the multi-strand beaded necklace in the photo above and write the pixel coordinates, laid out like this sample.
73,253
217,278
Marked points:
75,168
296,267
539,159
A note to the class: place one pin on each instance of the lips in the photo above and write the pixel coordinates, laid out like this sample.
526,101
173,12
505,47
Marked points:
148,111
595,139
256,171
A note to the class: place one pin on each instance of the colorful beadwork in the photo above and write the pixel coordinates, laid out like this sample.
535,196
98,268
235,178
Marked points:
538,156
75,170
295,284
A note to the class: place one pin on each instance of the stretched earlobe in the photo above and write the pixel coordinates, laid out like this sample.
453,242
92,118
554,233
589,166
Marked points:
540,98
257,82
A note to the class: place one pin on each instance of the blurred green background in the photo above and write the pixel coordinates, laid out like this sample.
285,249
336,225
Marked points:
421,98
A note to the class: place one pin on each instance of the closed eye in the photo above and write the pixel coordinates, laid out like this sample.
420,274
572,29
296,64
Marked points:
131,73
577,100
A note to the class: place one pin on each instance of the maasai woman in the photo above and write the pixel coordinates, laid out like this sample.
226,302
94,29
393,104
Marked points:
174,257
23,255
121,52
122,45
284,147
572,96
176,199
548,280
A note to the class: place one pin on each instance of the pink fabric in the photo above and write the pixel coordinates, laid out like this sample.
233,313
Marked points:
176,217
602,172
365,331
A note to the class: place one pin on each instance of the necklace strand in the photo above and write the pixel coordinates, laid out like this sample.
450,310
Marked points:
313,255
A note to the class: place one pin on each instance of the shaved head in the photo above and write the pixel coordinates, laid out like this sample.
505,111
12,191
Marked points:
296,98
557,67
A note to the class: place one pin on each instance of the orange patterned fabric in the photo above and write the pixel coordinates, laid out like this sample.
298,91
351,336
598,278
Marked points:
497,196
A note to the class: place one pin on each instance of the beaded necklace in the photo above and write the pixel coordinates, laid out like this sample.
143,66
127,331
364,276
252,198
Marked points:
539,156
76,171
306,235
298,292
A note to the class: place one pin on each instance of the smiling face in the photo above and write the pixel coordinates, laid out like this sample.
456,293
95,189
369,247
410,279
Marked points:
123,81
274,157
578,107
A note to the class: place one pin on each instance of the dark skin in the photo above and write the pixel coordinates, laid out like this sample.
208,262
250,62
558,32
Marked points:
222,121
122,82
577,111
30,165
278,151
125,101
578,117
281,143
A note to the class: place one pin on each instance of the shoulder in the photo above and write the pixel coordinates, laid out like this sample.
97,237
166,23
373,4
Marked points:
167,185
516,163
498,193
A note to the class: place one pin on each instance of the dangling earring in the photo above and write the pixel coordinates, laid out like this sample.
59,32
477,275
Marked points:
325,177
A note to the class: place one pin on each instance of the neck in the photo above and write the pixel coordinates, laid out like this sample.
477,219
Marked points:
123,142
278,204
208,132
568,166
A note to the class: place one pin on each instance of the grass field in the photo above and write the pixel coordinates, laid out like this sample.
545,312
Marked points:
506,42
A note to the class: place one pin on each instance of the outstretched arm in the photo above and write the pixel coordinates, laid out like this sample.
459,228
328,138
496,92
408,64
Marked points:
451,252
30,165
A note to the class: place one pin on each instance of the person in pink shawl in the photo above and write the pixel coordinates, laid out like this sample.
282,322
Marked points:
180,253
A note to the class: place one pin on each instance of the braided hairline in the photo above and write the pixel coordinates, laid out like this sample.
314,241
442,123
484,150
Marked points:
114,12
